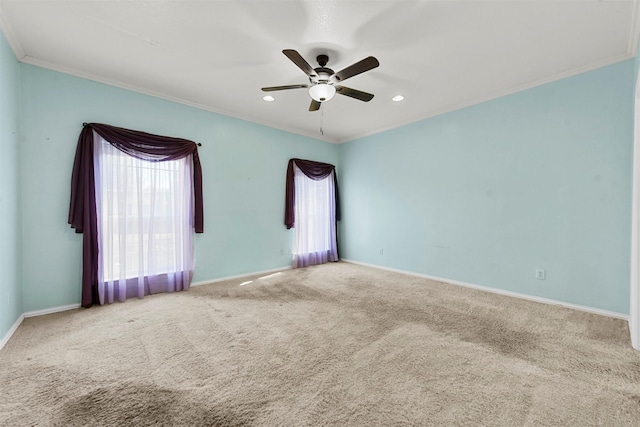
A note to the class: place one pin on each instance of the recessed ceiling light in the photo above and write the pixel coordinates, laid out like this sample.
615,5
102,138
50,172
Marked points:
268,98
397,98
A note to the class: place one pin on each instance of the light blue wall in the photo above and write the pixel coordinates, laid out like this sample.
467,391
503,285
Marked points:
10,279
244,167
637,61
487,194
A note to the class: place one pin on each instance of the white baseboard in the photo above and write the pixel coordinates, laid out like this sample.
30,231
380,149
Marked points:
593,310
34,313
10,332
240,276
499,291
51,310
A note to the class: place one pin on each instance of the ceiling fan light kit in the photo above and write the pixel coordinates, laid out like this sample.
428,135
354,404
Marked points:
322,92
323,81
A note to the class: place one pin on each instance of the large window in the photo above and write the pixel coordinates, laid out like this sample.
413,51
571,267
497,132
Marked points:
137,199
144,228
311,208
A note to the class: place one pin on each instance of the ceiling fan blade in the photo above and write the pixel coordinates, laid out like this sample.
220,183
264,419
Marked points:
272,88
297,59
357,68
315,105
353,93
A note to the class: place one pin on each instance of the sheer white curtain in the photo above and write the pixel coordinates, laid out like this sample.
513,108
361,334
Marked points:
145,230
315,212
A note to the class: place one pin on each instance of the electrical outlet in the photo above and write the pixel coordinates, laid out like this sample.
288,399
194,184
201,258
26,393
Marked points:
381,251
541,274
281,252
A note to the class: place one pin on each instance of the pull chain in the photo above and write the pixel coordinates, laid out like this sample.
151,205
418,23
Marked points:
321,119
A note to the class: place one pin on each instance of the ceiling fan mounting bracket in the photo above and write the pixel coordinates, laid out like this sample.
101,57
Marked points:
322,60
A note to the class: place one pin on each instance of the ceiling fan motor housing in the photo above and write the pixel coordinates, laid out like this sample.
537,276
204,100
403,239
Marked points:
323,75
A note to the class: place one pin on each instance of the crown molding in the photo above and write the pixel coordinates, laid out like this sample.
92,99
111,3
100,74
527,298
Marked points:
447,109
499,94
634,30
9,35
632,46
116,83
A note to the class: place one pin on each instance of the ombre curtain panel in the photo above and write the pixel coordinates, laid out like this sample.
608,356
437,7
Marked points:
145,228
312,211
83,209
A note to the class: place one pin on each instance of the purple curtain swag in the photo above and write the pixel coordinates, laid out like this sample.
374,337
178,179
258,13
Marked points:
82,208
315,171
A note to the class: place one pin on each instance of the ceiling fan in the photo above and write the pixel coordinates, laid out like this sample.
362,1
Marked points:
323,82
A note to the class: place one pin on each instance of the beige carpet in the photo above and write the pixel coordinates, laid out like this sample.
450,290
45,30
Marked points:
337,344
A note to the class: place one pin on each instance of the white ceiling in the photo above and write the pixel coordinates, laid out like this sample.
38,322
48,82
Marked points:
216,55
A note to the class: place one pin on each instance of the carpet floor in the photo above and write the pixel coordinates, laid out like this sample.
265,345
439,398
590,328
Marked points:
337,344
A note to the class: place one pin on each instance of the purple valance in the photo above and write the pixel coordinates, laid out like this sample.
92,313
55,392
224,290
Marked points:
82,208
315,171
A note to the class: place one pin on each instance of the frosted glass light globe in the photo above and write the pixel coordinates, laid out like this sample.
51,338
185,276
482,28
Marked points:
322,92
